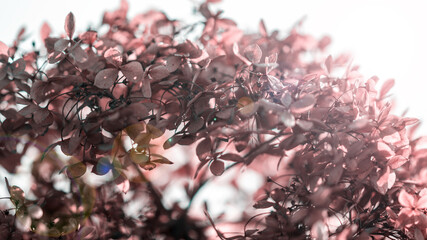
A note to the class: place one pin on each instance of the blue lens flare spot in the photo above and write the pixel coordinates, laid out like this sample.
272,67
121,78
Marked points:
103,166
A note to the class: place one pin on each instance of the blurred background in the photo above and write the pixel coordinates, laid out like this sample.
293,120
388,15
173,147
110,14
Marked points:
386,38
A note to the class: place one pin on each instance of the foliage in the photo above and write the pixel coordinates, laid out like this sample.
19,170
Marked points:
114,103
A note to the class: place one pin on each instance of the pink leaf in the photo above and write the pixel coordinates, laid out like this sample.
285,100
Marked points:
357,124
386,87
422,203
263,29
253,53
105,78
146,88
158,72
45,31
114,57
397,161
217,167
406,199
328,63
275,83
89,37
4,49
69,25
384,149
133,71
304,104
236,52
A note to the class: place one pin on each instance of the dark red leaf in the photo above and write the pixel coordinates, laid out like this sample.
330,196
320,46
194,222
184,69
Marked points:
203,149
41,115
106,78
232,157
173,63
146,88
69,25
79,54
133,71
196,125
158,72
18,66
253,53
55,57
61,45
217,167
263,204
